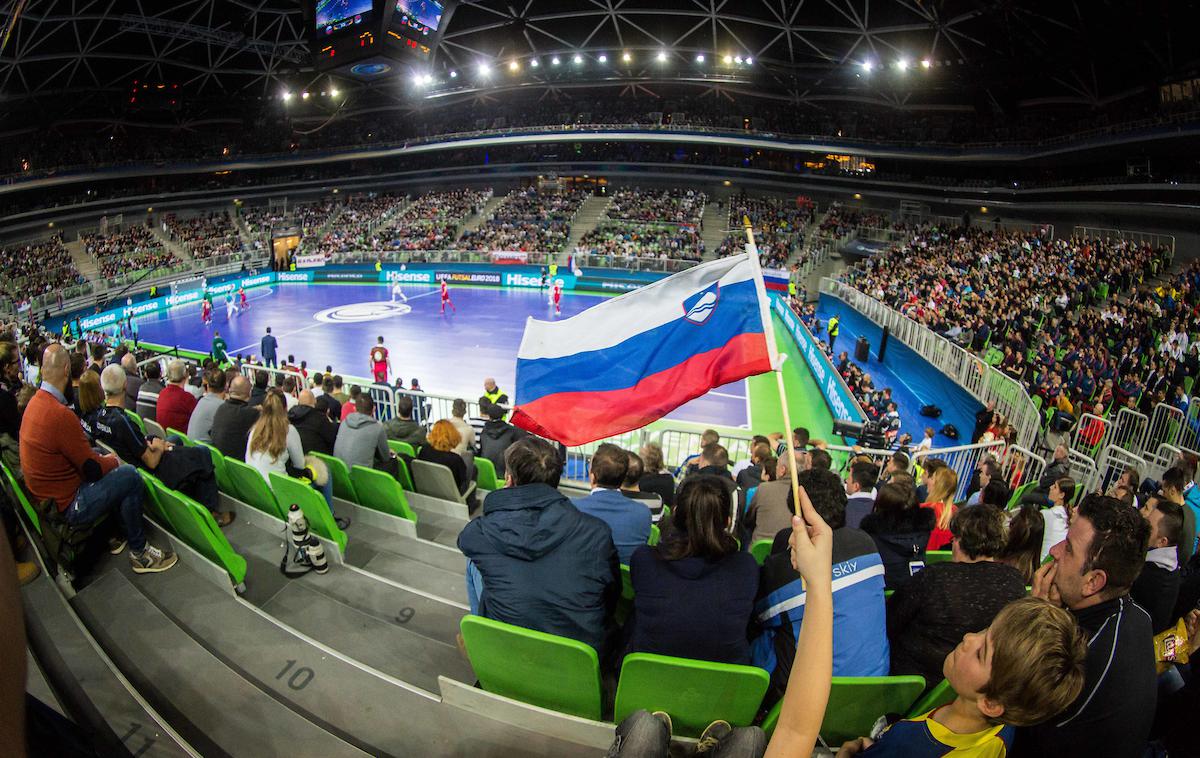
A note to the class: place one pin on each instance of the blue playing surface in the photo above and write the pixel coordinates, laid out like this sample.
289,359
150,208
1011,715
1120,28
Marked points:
450,354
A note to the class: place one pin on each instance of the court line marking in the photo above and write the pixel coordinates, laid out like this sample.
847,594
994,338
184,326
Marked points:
253,345
714,393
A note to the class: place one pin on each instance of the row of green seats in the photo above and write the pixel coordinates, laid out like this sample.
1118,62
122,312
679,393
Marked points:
856,702
485,470
193,524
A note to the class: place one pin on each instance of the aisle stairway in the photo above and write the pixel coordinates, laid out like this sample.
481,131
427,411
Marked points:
716,227
590,214
86,264
474,222
181,252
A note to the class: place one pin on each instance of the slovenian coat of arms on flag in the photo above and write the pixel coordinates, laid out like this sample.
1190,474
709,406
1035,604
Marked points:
631,360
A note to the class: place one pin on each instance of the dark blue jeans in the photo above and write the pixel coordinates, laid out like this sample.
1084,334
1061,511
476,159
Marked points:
641,735
121,490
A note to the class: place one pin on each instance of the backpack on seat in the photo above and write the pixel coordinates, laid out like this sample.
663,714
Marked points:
67,545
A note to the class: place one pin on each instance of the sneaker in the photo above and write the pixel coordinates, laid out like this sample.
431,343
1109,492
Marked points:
116,545
224,518
664,717
27,572
342,523
152,560
712,736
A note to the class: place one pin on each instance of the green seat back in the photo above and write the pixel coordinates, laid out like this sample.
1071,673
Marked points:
694,693
250,487
760,550
938,556
1019,493
316,510
485,474
196,526
153,429
153,505
186,440
402,448
541,669
403,477
136,420
935,698
625,603
378,491
224,481
855,702
888,593
655,535
19,493
343,487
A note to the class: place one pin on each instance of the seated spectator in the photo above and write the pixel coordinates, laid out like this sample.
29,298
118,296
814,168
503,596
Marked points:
714,461
349,405
133,381
769,512
1157,586
656,478
1058,516
262,382
232,421
59,465
1023,550
860,646
361,440
629,521
693,593
1170,490
274,447
900,530
690,463
186,469
1025,667
332,403
996,493
631,490
147,397
318,432
439,448
535,560
1058,468
928,615
1092,571
860,491
175,403
943,483
497,435
988,470
747,473
466,432
199,428
402,427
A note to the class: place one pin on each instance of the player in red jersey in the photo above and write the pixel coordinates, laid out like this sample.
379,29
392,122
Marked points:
242,296
557,298
205,312
446,298
381,364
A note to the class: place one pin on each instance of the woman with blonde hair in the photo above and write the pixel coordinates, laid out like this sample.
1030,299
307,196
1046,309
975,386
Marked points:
439,448
274,446
943,483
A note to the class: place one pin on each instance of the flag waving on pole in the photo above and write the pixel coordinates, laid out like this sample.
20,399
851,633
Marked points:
633,359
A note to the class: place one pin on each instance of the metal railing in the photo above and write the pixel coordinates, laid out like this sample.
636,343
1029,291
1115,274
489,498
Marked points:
668,265
1112,463
1154,239
983,382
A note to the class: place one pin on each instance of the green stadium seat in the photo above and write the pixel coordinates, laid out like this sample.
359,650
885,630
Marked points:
541,669
935,698
378,491
1019,493
196,526
436,480
186,440
402,448
938,556
137,420
485,474
224,482
855,702
655,535
316,510
250,487
403,476
343,487
760,550
694,693
153,505
18,492
625,604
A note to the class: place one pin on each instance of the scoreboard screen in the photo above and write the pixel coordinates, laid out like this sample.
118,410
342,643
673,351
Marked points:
335,15
423,16
369,39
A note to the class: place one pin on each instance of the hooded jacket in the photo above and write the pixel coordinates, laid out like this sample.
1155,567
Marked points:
495,439
545,566
360,441
406,430
317,433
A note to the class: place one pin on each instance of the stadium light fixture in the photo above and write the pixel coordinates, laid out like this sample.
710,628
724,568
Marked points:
902,64
661,57
534,63
626,57
603,58
514,66
287,96
304,95
926,63
555,61
485,69
749,61
867,66
737,59
453,74
729,60
700,58
334,92
577,60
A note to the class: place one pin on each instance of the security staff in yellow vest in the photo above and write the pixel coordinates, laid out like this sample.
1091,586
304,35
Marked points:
553,271
494,394
834,327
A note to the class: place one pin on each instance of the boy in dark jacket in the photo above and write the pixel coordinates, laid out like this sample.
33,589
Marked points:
534,560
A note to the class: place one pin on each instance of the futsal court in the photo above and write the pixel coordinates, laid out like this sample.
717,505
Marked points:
450,354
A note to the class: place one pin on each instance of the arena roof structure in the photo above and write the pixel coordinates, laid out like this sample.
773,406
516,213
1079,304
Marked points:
209,58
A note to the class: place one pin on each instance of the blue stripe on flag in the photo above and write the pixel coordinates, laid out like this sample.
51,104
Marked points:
625,364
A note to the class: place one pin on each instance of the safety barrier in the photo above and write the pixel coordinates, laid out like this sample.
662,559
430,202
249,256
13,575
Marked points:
1166,425
1189,435
1084,470
1154,239
1129,430
1112,463
962,459
1090,434
1021,465
985,383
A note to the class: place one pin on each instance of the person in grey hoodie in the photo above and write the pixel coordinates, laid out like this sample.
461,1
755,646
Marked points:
361,440
403,428
497,435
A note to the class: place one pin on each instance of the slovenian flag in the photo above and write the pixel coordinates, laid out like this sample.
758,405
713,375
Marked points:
632,359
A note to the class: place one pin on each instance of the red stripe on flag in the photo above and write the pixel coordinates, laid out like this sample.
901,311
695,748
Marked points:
576,418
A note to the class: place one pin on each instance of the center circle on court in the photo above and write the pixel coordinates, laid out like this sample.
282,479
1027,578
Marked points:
359,312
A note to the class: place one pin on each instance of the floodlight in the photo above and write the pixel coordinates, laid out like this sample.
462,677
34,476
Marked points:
926,63
555,61
578,59
902,64
729,60
514,66
484,69
626,57
867,66
304,95
662,56
700,58
749,61
534,63
334,92
453,74
737,59
287,96
603,58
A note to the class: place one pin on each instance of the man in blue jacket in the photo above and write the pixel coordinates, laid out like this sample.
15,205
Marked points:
628,519
534,560
269,347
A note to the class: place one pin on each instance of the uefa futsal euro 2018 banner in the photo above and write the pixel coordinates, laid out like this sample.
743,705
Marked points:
837,395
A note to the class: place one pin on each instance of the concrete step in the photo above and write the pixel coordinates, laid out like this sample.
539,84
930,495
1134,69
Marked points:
590,213
86,264
474,222
715,221
181,252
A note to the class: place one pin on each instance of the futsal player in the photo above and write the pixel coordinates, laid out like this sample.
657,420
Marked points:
205,311
230,307
242,297
557,298
381,364
446,298
398,291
